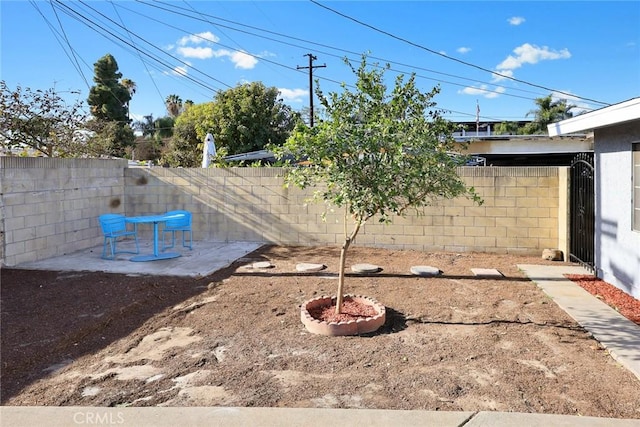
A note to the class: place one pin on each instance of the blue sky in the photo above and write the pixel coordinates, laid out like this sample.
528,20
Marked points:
193,48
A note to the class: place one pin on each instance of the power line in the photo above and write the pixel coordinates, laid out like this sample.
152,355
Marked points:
139,55
334,48
449,57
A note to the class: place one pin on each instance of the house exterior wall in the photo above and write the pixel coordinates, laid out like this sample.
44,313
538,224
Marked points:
617,246
49,207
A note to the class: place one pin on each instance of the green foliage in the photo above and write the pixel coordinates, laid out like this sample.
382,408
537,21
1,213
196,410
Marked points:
548,111
109,98
189,131
42,121
174,105
242,119
507,128
109,102
164,127
376,153
249,117
110,138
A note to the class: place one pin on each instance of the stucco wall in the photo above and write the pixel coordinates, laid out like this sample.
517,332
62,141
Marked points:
617,246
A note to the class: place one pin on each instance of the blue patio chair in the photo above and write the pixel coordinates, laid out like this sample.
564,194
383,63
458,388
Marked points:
180,223
114,226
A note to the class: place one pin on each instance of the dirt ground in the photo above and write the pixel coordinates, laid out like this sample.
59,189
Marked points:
453,342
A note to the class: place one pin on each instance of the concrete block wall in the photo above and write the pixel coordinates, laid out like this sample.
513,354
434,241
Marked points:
520,213
49,207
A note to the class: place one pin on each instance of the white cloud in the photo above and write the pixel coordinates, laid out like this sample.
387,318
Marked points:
196,52
530,54
221,53
198,46
515,20
205,37
503,75
463,50
243,60
484,91
179,70
293,95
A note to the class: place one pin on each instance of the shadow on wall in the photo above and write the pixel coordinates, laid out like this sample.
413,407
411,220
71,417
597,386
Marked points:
520,213
226,206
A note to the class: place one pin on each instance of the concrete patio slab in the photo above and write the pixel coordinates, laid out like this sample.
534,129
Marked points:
204,259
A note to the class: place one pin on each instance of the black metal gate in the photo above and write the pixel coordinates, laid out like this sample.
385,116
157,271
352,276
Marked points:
582,211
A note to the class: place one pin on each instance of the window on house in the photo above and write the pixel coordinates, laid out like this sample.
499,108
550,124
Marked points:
636,185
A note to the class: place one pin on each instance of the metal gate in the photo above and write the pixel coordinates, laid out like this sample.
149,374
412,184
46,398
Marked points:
582,211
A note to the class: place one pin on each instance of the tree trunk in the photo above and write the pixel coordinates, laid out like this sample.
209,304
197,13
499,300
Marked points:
343,260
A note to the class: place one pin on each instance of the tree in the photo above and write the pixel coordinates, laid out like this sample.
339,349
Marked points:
246,118
164,127
174,105
183,146
548,111
251,116
376,153
109,100
110,138
131,88
146,126
507,128
109,97
42,121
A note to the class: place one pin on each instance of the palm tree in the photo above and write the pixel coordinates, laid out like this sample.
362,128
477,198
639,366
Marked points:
174,105
549,111
130,85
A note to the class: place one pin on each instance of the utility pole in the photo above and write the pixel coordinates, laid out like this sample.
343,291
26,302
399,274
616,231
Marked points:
311,67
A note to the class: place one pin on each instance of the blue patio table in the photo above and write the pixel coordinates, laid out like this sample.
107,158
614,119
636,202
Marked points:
155,219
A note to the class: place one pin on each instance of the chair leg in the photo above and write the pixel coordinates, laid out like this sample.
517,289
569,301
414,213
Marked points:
173,240
184,245
112,248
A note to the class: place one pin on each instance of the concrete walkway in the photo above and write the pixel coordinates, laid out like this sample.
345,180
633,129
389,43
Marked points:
620,336
616,333
24,416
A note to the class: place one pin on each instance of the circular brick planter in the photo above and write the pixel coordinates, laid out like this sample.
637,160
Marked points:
352,327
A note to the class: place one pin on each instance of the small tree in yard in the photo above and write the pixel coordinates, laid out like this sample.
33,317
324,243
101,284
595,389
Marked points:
376,153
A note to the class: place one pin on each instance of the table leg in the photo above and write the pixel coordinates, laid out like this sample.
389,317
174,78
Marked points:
155,239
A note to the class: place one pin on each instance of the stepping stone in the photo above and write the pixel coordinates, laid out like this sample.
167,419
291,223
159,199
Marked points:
261,265
309,267
486,272
365,268
425,271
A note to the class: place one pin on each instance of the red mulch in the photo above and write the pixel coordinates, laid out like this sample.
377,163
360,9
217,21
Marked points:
616,298
351,310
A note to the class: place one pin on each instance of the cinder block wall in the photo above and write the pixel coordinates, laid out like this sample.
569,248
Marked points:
49,207
520,213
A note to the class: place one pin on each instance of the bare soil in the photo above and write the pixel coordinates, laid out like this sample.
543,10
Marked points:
453,342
